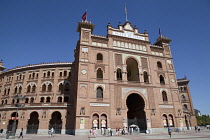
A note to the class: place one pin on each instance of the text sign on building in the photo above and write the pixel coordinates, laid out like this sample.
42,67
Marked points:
98,104
129,35
166,106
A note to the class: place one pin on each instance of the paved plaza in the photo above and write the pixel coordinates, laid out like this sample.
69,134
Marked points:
190,135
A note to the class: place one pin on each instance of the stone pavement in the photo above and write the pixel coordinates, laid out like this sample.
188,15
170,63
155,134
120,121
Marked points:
189,135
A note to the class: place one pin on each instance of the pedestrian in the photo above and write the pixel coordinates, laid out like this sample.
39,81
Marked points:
21,133
195,129
1,132
49,133
169,131
199,128
91,132
52,131
109,131
94,132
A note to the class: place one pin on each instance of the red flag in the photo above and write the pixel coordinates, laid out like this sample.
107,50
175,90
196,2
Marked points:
84,16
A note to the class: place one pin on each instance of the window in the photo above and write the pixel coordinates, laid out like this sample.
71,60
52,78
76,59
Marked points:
99,73
37,75
48,74
164,96
99,92
61,74
146,77
183,98
13,101
44,74
67,86
32,100
16,89
33,88
33,75
43,87
20,89
26,101
42,100
8,91
119,74
132,70
28,88
60,87
162,81
65,73
52,74
49,87
66,99
59,99
48,99
159,65
99,57
185,107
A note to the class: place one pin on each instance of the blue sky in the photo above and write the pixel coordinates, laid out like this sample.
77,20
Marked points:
36,31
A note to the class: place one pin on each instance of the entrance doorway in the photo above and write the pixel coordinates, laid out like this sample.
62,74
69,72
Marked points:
33,123
56,122
12,124
136,114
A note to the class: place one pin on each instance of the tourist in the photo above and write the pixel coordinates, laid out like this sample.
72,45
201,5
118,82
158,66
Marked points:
169,131
21,133
199,128
1,132
195,129
49,133
91,132
52,131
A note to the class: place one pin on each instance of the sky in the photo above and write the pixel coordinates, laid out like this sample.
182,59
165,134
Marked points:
36,31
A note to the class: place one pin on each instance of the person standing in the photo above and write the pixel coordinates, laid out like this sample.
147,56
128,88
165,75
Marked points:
199,129
169,131
52,131
49,133
195,129
21,133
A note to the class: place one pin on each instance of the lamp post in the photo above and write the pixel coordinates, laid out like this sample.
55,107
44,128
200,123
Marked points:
14,125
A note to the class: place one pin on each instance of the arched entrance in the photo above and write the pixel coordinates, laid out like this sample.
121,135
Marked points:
12,123
136,114
56,122
33,123
95,120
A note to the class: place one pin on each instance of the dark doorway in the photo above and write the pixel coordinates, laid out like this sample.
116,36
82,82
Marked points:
136,114
33,123
56,122
12,123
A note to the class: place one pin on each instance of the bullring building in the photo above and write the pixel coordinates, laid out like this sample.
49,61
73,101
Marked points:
115,81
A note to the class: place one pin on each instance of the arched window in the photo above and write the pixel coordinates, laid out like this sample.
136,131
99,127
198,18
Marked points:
61,74
33,75
8,91
67,86
164,96
44,75
2,102
26,101
185,107
49,87
20,89
119,74
99,74
146,77
99,92
5,102
28,88
13,101
159,65
99,57
17,101
60,87
48,74
165,120
43,87
132,70
65,73
59,99
52,74
162,81
42,100
48,99
32,100
37,75
5,91
171,120
34,88
66,99
183,98
16,89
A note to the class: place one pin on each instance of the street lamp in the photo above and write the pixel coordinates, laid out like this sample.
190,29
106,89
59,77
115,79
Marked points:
14,125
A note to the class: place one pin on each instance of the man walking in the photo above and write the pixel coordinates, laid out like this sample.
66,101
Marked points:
169,131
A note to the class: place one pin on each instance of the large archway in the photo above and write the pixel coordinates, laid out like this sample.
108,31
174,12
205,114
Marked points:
33,123
136,114
13,122
132,70
56,122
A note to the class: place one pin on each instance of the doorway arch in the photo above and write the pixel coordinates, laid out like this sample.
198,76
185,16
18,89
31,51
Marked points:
56,122
136,114
33,123
14,116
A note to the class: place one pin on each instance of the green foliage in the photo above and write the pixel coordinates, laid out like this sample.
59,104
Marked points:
203,120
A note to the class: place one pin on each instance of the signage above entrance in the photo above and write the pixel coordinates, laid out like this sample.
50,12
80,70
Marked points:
129,35
98,104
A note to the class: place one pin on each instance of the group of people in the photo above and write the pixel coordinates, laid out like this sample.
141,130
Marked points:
50,132
93,132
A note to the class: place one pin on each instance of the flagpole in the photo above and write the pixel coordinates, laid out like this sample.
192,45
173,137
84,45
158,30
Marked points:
86,15
126,12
